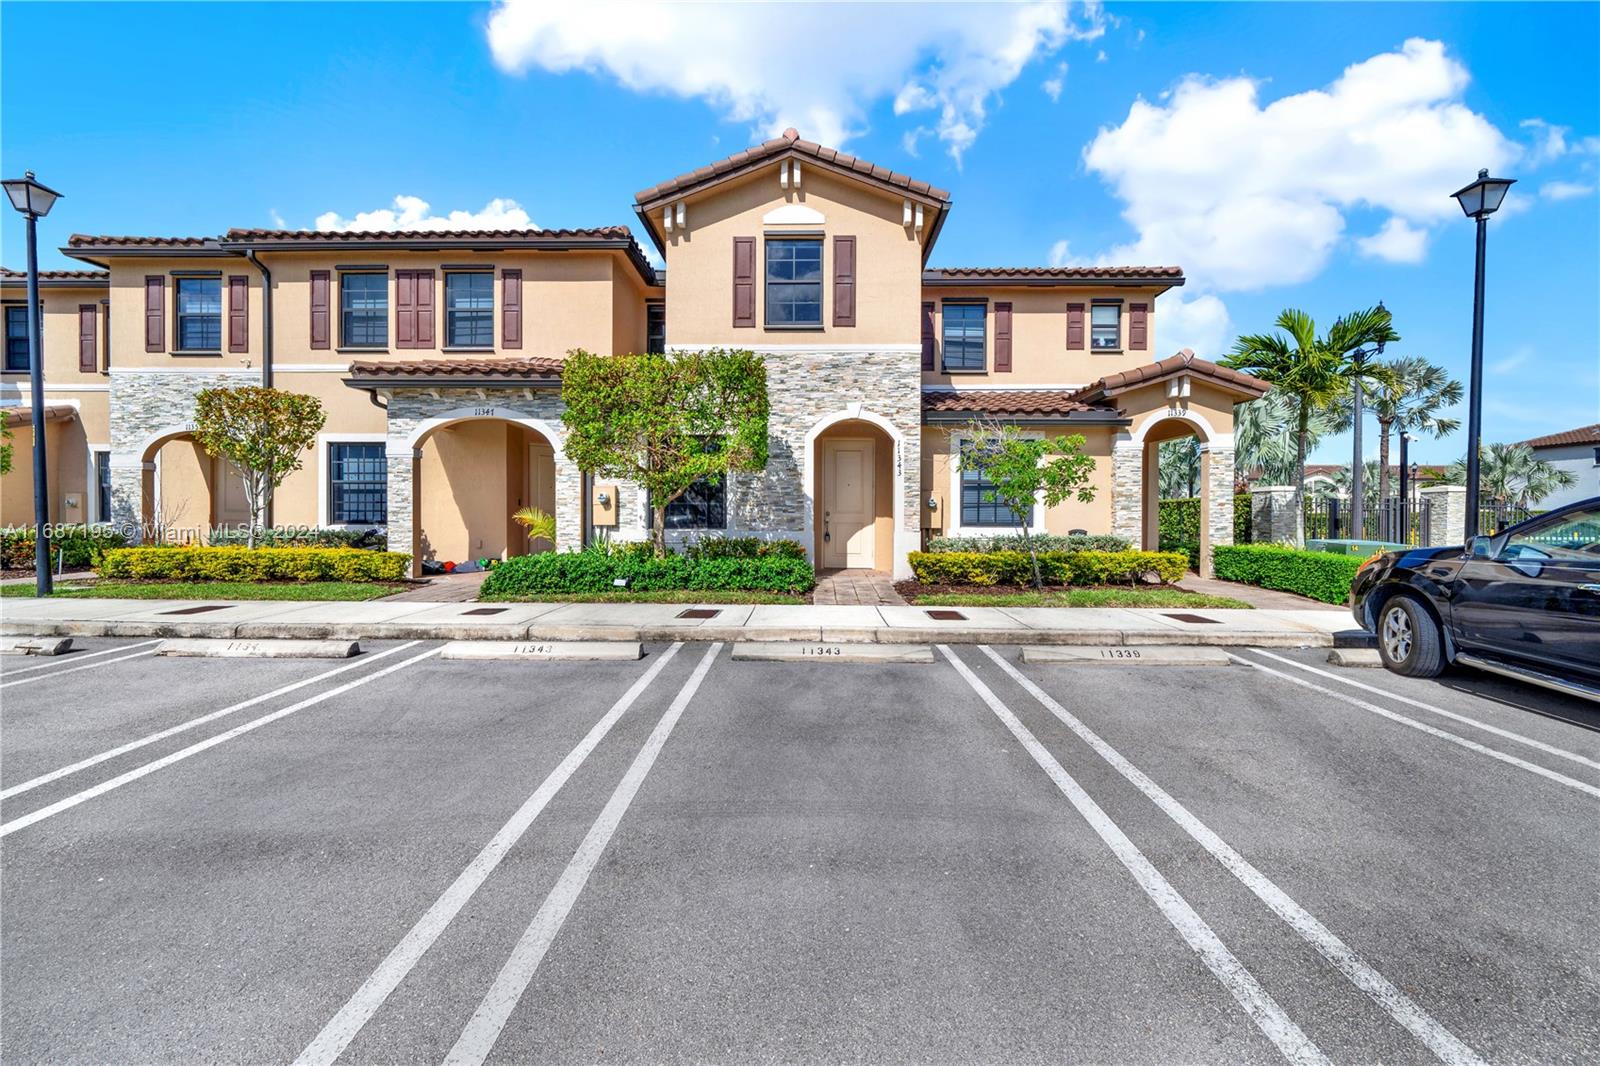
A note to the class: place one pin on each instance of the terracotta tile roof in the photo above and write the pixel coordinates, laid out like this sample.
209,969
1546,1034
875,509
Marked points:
53,412
532,366
1185,362
1036,275
789,142
90,277
1032,402
88,240
304,236
1581,435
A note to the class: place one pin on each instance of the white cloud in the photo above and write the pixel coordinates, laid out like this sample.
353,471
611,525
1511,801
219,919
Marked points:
277,219
1199,323
1398,242
1512,362
1061,256
1053,85
412,213
1550,142
1565,190
750,62
1245,196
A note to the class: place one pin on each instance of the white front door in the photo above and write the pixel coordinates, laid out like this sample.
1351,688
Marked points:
847,504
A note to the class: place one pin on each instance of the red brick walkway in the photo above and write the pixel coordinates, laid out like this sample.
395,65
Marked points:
868,588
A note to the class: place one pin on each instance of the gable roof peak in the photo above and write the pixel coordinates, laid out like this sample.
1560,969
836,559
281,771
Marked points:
791,134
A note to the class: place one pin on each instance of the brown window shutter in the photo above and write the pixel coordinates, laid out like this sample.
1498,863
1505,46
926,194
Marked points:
1139,326
511,309
88,344
844,281
1002,338
321,283
744,281
155,293
1075,327
238,313
105,337
405,309
927,335
424,306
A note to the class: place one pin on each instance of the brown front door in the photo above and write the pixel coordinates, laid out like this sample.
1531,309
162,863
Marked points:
847,504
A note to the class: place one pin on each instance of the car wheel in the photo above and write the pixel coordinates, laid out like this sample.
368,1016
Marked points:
1409,641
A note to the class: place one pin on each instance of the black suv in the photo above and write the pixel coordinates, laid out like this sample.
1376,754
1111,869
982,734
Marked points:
1524,603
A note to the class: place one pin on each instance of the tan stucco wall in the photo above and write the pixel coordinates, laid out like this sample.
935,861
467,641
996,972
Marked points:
1206,405
60,333
472,475
700,261
349,412
127,313
1039,353
940,463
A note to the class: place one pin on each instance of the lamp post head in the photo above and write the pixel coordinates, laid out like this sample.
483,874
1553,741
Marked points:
29,197
1483,197
1385,312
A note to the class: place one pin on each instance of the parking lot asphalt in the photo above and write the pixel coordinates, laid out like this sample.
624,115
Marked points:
399,858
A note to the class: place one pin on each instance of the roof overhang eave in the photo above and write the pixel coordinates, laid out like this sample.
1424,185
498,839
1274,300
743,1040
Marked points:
372,383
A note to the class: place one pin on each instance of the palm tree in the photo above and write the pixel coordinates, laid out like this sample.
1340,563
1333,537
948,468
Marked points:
1178,468
1312,373
1411,401
1264,436
1510,475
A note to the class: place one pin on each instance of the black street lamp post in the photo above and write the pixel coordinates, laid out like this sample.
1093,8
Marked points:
34,201
1479,200
1403,505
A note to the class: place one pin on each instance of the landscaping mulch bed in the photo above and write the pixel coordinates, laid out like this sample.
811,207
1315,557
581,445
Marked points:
1160,596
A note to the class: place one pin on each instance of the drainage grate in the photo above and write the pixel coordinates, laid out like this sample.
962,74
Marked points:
199,610
947,616
485,610
1193,619
698,612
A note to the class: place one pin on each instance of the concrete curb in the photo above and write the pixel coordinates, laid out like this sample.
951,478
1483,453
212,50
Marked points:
1306,638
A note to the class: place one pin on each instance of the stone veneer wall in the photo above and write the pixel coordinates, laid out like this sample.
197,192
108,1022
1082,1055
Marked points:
410,408
144,404
1219,487
1127,491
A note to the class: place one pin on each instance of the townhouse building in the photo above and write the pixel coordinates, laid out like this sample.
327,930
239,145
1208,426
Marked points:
437,356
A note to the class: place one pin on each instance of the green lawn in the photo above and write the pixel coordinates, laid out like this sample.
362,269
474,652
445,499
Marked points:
665,596
214,590
1076,597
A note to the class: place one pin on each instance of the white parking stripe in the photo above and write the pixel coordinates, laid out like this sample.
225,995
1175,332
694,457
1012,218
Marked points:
75,669
133,745
478,1038
1470,745
68,660
343,1027
195,749
1400,1007
1240,982
1548,749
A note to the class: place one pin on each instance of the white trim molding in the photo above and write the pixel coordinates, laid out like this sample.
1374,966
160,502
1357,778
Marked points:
802,349
467,414
324,485
199,368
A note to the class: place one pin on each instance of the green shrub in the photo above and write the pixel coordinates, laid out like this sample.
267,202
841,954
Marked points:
1319,575
1242,525
567,572
260,564
1045,542
744,548
81,545
300,537
1057,568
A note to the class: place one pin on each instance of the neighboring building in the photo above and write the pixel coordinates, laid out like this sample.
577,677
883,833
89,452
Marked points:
1577,451
438,358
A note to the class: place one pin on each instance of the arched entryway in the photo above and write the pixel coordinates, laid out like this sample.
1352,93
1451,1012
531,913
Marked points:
1187,440
187,492
855,490
470,476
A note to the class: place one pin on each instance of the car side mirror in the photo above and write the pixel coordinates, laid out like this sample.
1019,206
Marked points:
1481,548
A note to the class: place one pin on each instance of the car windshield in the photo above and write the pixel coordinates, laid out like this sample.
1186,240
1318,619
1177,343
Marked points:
1574,534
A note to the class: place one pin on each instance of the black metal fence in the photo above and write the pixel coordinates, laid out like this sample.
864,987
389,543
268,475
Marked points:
1497,516
1393,520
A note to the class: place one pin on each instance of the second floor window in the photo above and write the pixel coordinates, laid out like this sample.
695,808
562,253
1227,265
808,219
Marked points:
963,336
16,337
364,310
1105,326
794,282
199,314
469,309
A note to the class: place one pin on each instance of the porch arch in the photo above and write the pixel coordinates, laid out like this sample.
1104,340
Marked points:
185,492
872,426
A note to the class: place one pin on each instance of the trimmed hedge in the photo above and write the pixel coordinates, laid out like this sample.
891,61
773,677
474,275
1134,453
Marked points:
82,545
744,548
1057,568
300,537
565,572
1319,575
1045,542
262,564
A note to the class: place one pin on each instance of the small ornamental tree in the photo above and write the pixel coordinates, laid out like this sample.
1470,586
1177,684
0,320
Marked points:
1021,470
666,421
5,446
264,432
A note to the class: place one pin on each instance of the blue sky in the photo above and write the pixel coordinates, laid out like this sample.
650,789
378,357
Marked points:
1284,155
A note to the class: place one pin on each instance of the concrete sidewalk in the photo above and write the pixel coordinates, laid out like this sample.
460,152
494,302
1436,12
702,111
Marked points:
672,621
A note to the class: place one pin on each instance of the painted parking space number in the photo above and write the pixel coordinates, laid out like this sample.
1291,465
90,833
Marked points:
821,650
1119,653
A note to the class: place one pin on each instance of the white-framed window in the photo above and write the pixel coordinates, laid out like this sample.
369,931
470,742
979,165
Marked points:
972,514
354,470
1105,325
